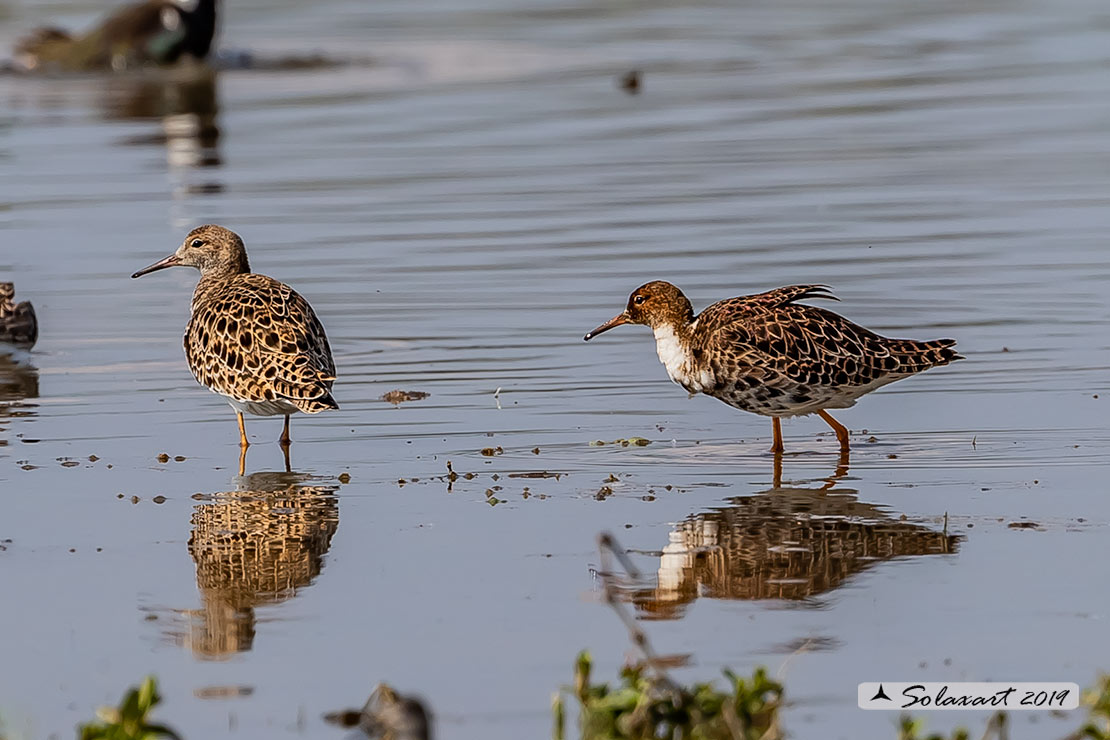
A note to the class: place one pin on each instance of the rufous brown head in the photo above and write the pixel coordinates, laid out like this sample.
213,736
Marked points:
653,304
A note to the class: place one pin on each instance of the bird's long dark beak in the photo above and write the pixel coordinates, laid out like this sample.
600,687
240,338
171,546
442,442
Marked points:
621,318
172,261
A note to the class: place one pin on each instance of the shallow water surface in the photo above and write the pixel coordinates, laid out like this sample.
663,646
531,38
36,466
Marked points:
462,195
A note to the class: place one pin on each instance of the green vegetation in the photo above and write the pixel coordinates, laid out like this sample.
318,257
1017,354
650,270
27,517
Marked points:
129,720
1098,722
647,705
644,704
1097,726
911,728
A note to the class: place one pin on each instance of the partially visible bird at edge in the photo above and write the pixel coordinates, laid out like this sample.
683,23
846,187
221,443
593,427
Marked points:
18,324
151,32
251,339
770,355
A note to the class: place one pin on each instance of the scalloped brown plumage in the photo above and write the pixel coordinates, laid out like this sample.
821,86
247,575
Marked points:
250,338
767,354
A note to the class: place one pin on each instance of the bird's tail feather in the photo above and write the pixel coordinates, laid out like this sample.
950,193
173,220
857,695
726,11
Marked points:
916,356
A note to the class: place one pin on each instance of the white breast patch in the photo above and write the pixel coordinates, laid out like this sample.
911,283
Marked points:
677,361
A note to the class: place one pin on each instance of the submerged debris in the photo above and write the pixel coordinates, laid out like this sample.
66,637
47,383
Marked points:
631,441
388,715
398,397
221,692
631,81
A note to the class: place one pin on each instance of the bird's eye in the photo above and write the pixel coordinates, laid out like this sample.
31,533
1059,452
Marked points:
638,300
197,244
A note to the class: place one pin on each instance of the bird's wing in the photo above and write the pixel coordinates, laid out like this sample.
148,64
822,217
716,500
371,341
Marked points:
803,343
731,310
258,339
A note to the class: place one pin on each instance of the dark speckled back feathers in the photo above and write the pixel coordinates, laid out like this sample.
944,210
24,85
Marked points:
255,339
730,310
770,355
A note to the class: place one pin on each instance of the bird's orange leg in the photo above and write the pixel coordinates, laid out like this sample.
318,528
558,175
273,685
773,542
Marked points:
840,429
242,432
285,438
242,460
776,430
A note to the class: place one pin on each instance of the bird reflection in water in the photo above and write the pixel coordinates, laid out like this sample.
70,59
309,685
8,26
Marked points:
253,547
243,462
19,382
788,542
184,100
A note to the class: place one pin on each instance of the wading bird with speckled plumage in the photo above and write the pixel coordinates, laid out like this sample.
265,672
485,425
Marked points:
772,356
18,324
251,339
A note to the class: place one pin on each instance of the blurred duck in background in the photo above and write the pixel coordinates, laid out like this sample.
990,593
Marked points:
18,325
154,32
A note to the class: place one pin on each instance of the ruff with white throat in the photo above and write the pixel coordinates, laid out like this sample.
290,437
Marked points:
770,355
